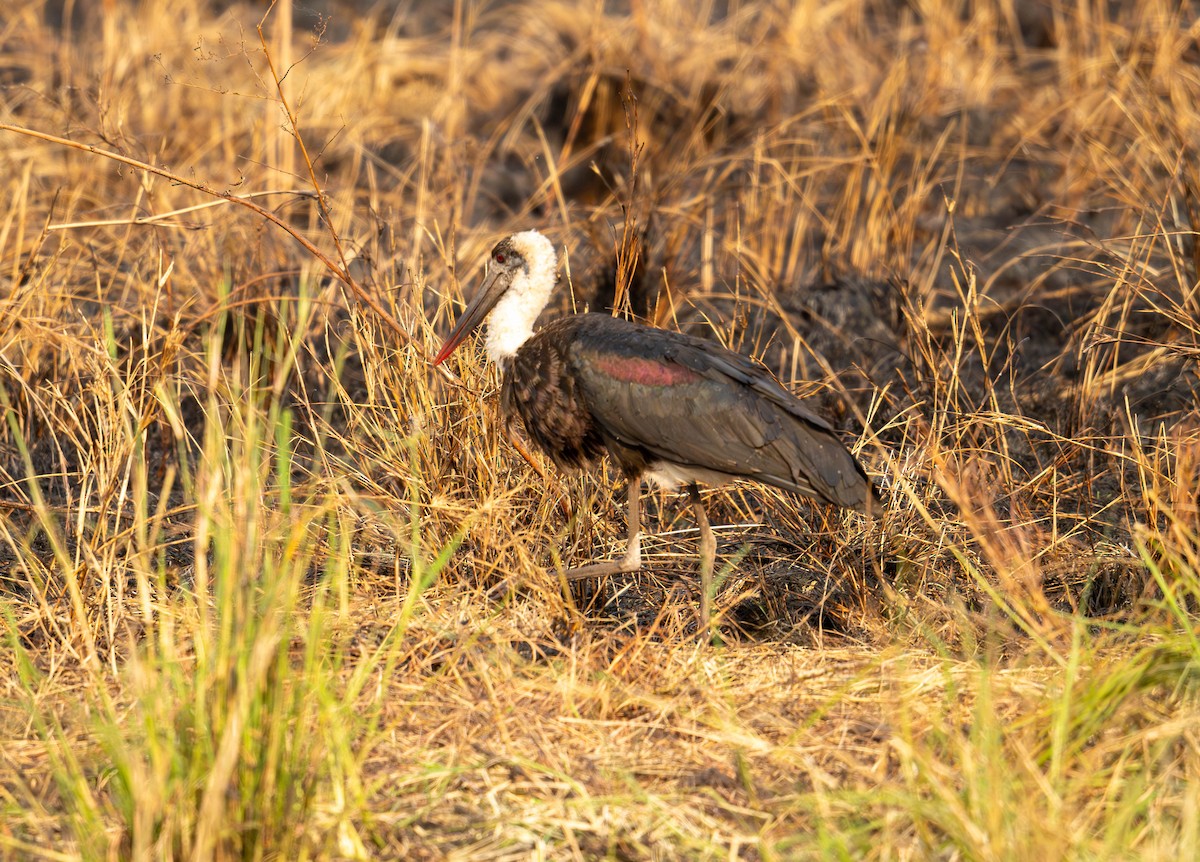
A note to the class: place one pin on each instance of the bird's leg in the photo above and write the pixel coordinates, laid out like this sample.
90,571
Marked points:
632,561
708,555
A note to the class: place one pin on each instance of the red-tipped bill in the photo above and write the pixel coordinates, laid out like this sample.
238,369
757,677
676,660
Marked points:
490,291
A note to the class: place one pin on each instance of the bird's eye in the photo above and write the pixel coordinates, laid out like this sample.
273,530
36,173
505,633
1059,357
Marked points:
499,257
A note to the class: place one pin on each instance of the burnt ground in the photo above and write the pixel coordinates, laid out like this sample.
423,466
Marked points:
930,271
270,585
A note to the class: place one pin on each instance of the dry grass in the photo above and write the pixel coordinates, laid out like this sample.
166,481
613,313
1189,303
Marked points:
272,587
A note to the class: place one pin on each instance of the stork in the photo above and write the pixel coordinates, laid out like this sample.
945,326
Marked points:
665,406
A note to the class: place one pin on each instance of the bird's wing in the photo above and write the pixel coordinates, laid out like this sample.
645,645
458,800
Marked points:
692,402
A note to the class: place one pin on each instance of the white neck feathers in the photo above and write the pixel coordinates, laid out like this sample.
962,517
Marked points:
510,323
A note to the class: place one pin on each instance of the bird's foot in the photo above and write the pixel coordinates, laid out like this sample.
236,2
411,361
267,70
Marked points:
631,562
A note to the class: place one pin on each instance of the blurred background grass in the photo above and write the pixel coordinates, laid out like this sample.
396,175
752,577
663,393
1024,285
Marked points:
273,588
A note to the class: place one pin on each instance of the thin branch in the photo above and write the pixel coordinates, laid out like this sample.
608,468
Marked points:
340,272
162,219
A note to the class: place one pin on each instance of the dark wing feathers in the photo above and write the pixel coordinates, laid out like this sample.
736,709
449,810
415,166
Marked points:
708,407
717,362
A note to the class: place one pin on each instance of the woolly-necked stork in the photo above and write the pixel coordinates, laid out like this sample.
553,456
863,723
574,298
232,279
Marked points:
665,406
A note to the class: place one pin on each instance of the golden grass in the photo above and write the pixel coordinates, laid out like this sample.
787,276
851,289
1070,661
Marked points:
272,587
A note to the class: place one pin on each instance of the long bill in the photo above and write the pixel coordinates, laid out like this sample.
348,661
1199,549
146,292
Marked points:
490,291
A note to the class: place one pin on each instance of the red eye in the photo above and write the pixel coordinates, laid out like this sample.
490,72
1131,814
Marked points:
499,257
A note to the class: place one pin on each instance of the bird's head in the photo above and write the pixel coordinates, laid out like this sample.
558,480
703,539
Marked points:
520,277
